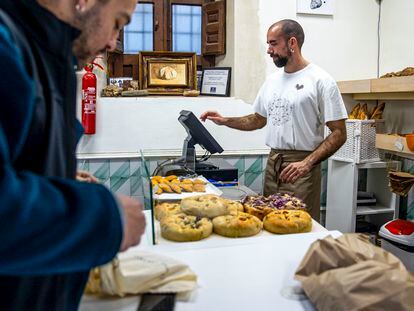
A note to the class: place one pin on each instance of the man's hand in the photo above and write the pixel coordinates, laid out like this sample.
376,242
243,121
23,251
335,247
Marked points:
294,171
86,177
213,116
134,221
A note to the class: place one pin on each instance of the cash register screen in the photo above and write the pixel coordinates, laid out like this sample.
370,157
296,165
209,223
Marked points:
198,132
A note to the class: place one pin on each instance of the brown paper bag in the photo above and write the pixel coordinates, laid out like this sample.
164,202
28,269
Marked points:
349,273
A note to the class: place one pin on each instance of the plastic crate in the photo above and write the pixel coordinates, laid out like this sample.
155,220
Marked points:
360,143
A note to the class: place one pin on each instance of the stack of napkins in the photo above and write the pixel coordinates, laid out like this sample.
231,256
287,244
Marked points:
142,272
400,182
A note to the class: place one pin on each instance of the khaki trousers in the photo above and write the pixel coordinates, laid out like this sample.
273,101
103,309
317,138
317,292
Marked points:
307,188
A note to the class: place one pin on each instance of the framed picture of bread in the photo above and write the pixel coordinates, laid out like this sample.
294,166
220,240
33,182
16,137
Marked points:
167,73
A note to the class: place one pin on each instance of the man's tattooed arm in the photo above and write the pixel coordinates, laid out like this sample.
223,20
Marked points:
331,143
246,123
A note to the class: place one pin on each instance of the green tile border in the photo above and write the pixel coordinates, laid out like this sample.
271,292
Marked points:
117,182
250,178
240,165
256,167
123,171
102,173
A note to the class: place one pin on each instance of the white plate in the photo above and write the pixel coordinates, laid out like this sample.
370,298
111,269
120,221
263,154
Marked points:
210,189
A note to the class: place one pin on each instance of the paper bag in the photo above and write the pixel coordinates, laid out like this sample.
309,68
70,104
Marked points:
349,273
143,272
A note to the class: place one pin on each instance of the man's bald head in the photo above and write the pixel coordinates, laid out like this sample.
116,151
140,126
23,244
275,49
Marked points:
289,29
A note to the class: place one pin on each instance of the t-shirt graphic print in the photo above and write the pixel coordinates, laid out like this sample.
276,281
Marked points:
280,110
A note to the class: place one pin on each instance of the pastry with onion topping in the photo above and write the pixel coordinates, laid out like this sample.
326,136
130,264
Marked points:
260,206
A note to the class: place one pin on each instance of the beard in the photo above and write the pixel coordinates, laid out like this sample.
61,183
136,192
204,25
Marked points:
281,61
89,24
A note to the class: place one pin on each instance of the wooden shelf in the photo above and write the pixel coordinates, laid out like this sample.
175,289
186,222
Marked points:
379,164
396,88
384,96
373,210
391,85
394,144
355,86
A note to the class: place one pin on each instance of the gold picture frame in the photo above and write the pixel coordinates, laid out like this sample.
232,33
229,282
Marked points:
167,73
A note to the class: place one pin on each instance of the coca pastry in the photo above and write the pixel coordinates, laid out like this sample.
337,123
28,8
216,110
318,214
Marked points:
166,209
208,205
234,207
260,206
288,221
237,225
184,228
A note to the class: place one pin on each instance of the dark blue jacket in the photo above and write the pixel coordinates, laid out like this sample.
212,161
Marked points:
52,228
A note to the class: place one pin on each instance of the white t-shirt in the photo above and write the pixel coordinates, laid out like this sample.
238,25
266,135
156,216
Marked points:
297,106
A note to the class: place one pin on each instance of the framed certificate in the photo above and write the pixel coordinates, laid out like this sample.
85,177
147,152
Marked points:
216,81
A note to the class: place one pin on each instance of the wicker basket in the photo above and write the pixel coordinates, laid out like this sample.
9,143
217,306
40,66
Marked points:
360,143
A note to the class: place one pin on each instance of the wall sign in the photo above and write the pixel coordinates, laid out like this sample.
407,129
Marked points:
321,7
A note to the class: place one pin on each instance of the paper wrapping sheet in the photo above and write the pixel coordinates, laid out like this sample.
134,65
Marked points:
140,273
349,273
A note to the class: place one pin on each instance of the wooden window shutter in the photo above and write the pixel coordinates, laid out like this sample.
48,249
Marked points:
120,43
114,58
123,65
130,66
214,28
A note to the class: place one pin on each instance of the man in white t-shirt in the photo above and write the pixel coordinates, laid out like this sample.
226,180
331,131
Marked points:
295,104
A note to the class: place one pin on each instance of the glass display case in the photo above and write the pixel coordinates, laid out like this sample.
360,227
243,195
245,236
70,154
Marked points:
148,193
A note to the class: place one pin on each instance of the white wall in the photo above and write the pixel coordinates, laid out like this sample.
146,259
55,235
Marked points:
344,44
249,56
126,125
397,52
397,43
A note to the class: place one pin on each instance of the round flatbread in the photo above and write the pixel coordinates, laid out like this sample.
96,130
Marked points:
166,209
260,206
208,205
237,226
288,221
234,207
258,211
185,228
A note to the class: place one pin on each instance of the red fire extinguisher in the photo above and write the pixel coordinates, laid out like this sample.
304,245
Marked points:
89,100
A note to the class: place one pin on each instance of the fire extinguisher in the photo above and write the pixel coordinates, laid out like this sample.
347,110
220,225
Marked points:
89,100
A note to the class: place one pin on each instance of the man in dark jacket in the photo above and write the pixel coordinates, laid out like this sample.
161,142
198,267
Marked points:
53,229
